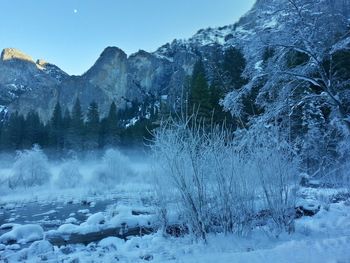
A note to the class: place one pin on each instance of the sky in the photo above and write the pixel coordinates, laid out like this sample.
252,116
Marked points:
72,33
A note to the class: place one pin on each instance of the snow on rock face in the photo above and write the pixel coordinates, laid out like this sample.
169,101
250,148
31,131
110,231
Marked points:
23,234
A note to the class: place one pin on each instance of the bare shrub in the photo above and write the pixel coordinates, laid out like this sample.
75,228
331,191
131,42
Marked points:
220,182
201,165
178,150
276,169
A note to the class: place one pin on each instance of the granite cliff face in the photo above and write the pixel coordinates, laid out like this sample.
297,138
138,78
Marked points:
25,84
21,77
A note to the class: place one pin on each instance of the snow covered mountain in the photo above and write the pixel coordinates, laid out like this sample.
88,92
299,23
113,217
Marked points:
26,85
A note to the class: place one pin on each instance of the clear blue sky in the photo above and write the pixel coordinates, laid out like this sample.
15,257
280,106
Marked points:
73,33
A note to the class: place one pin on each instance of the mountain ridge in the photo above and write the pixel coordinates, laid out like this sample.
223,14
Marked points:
117,77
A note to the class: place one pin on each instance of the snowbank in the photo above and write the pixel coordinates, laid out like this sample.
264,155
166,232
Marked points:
23,234
122,216
111,243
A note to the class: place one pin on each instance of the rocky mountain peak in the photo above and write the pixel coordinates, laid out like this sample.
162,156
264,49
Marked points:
12,53
111,55
111,50
110,58
41,62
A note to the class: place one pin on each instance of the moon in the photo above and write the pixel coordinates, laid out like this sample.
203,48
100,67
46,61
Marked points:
75,11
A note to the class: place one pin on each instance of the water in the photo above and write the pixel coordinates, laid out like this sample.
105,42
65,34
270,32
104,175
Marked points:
50,215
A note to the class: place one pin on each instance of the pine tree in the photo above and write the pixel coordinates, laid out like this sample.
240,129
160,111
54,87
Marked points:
76,134
77,117
13,132
199,95
233,67
219,115
103,133
34,130
112,124
56,128
66,123
93,118
92,125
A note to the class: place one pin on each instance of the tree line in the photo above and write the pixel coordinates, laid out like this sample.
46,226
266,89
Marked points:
74,130
80,131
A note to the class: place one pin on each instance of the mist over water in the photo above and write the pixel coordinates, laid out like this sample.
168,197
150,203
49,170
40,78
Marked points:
90,170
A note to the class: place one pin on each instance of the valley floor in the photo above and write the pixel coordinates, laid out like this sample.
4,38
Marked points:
325,237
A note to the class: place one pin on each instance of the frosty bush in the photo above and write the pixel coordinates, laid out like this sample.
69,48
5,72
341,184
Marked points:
220,182
275,167
211,191
69,175
31,168
114,167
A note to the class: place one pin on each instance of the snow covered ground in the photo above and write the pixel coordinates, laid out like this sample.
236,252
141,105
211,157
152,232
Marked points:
30,217
324,237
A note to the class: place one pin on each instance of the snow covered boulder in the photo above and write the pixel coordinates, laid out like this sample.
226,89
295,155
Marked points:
8,226
67,229
96,219
23,234
71,220
41,247
307,209
111,243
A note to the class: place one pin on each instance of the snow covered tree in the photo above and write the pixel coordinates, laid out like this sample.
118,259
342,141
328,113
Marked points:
322,60
69,176
115,167
31,168
301,81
